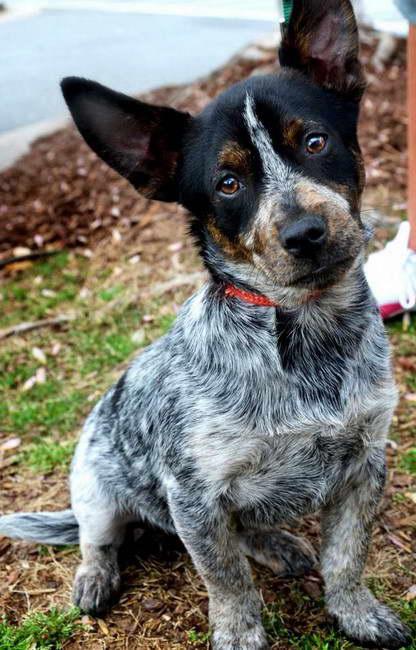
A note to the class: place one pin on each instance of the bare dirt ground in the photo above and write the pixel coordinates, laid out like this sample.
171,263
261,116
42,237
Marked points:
60,195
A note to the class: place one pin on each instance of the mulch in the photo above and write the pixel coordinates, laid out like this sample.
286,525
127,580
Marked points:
61,195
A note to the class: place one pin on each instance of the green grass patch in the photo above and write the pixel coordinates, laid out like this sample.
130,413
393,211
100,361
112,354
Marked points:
56,286
407,612
39,631
43,409
111,292
273,621
92,346
47,455
99,348
198,638
408,461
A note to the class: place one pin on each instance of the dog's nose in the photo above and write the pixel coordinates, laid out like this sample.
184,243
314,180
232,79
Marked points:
304,237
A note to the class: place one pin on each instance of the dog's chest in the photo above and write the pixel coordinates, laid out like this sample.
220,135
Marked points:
289,448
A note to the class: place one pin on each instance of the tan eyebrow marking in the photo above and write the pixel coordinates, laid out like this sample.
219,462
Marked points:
291,132
234,156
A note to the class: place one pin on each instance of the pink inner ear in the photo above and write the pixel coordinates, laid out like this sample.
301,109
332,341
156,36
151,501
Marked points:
329,43
131,140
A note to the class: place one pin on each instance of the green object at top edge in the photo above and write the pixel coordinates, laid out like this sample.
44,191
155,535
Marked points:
287,9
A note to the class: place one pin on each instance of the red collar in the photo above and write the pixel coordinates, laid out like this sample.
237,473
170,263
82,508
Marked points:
258,299
247,296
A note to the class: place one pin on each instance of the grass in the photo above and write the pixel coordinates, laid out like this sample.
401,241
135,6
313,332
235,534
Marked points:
273,621
328,638
408,461
47,455
98,341
39,631
56,282
198,638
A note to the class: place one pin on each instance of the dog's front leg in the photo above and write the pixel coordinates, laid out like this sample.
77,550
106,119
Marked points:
207,531
346,532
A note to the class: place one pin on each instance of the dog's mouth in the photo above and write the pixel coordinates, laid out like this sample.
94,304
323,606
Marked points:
325,275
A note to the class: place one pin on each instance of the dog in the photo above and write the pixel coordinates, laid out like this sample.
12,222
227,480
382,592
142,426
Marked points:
272,394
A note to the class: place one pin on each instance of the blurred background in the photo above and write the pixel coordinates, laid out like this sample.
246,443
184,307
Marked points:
132,45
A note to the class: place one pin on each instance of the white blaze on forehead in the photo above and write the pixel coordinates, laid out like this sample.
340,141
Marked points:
274,167
280,177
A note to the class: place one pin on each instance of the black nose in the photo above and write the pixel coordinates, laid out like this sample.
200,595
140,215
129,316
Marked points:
304,237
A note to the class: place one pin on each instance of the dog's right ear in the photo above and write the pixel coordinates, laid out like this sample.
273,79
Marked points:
140,141
321,40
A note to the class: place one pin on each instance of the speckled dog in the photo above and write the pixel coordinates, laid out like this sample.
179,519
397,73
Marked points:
272,394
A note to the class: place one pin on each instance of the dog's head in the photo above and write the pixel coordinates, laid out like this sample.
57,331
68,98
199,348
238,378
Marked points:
270,171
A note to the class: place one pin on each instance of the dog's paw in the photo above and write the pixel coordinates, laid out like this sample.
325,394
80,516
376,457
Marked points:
236,621
368,623
95,588
250,639
283,553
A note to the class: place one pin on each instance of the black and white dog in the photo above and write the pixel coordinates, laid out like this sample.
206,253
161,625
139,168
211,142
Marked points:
272,394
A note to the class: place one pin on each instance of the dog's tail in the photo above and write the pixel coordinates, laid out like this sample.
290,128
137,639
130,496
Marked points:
45,527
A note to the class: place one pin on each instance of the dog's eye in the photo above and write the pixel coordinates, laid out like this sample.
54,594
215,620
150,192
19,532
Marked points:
228,185
315,143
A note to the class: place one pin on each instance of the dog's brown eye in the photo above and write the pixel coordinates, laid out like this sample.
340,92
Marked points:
315,143
228,185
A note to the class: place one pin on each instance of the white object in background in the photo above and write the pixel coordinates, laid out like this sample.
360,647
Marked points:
391,274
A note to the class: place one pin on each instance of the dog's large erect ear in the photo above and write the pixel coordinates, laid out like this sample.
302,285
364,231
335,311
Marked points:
321,40
140,141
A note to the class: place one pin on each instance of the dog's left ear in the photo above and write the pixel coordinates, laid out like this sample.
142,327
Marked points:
321,40
140,141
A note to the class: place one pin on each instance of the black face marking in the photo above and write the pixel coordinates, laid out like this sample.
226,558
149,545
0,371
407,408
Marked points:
289,109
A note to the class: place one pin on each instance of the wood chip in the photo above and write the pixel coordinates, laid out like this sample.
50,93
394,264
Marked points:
151,605
411,496
396,542
103,627
411,593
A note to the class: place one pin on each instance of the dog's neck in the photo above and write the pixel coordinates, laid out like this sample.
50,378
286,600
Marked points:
260,300
350,293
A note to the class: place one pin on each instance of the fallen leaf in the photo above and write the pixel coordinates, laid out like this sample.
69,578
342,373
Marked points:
56,349
411,593
151,605
39,355
84,293
138,336
134,259
29,383
48,293
411,397
41,375
176,246
103,627
411,496
11,443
